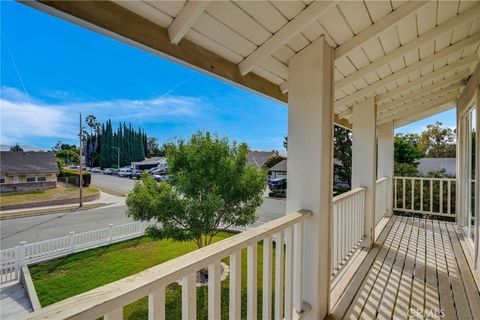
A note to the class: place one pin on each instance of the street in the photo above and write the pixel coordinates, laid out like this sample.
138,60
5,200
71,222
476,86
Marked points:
44,227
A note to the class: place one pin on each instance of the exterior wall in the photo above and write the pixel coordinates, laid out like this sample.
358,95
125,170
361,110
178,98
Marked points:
278,174
27,186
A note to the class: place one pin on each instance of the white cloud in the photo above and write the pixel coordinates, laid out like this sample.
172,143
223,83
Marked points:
23,117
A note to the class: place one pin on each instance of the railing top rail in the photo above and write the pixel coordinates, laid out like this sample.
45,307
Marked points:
100,301
425,178
380,180
348,194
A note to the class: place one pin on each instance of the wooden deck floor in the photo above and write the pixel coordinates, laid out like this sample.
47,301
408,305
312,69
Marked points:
416,266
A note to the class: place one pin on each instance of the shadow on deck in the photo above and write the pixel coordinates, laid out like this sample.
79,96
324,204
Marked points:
417,269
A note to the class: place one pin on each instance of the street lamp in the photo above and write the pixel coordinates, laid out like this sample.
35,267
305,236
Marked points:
118,156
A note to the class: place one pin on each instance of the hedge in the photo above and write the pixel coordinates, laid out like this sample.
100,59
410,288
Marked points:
86,176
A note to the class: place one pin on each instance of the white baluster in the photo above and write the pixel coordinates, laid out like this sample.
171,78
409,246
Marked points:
289,273
252,282
156,304
214,295
116,314
279,276
298,268
267,278
189,297
235,285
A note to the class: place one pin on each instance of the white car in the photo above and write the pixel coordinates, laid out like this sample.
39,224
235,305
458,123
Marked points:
96,170
124,172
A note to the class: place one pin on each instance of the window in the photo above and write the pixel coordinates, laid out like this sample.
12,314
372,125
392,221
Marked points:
30,179
2,180
40,179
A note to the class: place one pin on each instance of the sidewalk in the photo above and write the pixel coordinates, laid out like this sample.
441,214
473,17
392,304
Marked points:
105,199
14,303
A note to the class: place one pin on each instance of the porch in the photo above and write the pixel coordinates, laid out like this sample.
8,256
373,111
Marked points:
380,67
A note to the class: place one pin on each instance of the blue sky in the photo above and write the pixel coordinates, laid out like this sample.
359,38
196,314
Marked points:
51,70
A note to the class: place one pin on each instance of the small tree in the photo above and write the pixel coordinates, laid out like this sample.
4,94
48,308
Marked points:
16,148
211,188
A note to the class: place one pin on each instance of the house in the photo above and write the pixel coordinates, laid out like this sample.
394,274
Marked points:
426,165
369,66
27,171
260,159
279,170
150,163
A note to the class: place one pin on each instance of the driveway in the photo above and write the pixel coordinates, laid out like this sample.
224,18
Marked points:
112,183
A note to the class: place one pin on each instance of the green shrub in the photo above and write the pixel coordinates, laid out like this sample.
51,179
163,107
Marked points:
278,193
86,176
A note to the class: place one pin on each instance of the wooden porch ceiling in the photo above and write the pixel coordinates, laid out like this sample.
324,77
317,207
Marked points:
417,264
393,50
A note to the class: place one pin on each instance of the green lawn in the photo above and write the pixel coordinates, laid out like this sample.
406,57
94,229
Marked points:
42,195
63,278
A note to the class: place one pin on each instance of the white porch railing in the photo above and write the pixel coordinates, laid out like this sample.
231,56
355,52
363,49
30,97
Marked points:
109,300
433,196
348,225
381,194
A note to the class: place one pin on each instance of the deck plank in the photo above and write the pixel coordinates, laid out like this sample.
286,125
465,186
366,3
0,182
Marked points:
473,294
363,273
432,300
444,292
388,300
402,299
363,298
461,303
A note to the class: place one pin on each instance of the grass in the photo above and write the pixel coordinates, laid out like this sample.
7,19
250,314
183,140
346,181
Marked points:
66,277
42,195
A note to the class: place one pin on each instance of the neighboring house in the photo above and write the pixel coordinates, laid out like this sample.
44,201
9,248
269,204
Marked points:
27,171
279,170
260,158
426,165
150,163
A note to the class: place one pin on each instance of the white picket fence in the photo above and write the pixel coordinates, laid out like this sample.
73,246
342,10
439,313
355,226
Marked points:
12,259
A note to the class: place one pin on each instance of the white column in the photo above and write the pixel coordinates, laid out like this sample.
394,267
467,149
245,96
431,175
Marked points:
385,151
477,184
310,164
364,160
461,174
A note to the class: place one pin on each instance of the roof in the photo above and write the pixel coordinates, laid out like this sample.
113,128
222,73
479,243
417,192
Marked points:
426,165
281,166
152,160
29,162
411,55
258,158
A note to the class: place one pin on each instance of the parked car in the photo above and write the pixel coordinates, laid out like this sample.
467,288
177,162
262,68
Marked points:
96,170
278,183
160,177
136,174
124,172
108,171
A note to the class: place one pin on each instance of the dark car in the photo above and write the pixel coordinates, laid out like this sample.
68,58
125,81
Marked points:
278,183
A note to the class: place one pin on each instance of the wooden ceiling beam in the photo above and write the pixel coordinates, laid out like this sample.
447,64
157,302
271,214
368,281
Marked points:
359,94
428,36
378,27
186,19
285,34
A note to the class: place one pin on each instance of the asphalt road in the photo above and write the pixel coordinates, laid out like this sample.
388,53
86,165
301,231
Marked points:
38,228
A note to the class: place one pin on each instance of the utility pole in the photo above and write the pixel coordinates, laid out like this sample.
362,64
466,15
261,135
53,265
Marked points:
80,160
